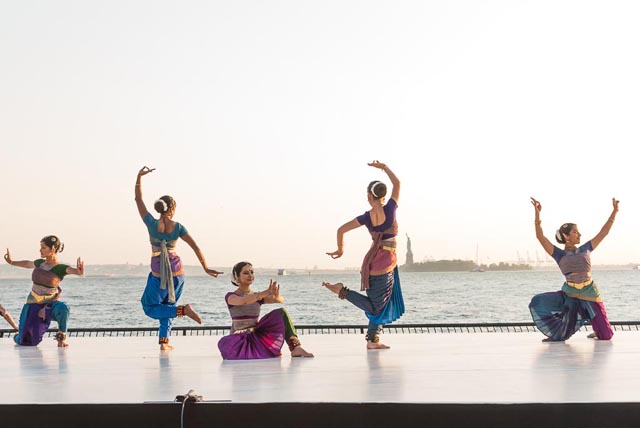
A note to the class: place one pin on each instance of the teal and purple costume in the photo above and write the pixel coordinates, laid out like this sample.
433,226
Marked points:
383,303
559,314
44,295
166,279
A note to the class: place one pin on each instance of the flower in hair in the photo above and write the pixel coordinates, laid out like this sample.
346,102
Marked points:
373,186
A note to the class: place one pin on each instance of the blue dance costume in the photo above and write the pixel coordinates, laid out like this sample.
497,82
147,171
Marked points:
166,279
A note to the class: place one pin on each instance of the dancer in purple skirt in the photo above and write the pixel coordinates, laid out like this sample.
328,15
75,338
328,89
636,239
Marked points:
43,303
250,338
558,315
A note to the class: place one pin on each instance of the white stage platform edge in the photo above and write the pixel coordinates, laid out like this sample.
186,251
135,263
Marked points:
419,368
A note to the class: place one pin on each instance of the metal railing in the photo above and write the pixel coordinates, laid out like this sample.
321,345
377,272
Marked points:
434,328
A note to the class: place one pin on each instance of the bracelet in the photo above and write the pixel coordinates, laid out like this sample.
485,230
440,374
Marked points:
537,222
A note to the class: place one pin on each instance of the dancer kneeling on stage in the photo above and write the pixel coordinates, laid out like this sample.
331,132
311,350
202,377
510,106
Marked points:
43,303
559,314
250,338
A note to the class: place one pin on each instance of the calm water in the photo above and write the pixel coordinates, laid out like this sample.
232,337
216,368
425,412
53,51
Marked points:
429,297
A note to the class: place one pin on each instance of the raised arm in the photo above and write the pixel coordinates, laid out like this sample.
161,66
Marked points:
546,244
20,263
189,240
142,209
353,224
78,270
395,182
607,226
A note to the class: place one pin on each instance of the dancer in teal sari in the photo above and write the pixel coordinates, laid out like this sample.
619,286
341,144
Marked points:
166,279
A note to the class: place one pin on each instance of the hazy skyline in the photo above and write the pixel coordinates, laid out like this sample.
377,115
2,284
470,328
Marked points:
260,118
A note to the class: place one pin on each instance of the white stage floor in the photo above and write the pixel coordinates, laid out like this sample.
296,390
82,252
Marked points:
419,368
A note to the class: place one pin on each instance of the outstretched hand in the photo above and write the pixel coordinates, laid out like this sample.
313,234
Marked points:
536,205
377,164
7,257
213,273
614,200
80,266
336,254
145,170
274,289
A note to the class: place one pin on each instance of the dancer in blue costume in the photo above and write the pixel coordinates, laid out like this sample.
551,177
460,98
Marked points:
559,314
383,303
166,279
43,303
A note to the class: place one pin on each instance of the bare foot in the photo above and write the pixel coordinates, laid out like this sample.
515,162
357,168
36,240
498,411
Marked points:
165,347
299,351
592,336
548,339
189,312
333,287
62,344
373,345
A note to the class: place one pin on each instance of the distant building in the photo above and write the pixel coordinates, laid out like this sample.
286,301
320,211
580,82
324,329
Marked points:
409,261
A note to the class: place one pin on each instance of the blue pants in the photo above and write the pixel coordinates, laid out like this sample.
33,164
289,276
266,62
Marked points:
155,302
375,300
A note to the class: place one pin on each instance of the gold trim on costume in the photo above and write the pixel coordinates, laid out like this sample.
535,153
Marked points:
180,272
157,253
580,285
583,297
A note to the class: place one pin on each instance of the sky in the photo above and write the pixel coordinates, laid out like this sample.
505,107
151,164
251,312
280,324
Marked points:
260,119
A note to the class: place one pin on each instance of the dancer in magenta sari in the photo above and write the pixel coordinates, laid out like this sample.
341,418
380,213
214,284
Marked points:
43,303
383,303
559,314
252,339
166,279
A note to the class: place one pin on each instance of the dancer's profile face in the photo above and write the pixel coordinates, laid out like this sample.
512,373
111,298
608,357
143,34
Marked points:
246,276
45,251
573,237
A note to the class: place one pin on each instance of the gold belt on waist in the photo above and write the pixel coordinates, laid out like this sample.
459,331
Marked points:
392,249
580,285
157,253
243,330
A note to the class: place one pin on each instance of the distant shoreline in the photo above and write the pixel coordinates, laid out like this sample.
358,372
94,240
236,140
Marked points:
142,271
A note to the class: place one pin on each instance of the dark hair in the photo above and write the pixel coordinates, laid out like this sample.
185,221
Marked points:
168,205
53,242
564,230
377,189
237,268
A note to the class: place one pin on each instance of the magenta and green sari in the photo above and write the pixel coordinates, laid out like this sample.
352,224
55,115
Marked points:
251,338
